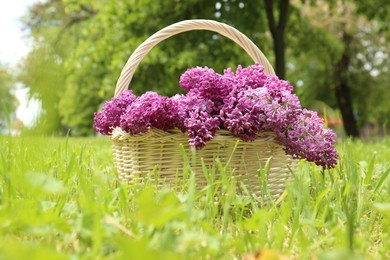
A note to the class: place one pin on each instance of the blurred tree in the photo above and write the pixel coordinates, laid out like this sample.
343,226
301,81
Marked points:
43,73
85,44
91,41
343,58
375,60
45,69
8,102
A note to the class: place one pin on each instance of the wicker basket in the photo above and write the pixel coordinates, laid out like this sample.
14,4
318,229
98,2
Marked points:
137,156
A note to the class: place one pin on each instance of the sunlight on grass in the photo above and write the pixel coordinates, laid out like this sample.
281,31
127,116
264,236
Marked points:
60,198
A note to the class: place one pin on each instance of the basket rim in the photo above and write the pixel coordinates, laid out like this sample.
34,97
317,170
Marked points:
119,134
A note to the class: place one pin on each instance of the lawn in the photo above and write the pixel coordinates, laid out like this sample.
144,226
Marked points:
60,198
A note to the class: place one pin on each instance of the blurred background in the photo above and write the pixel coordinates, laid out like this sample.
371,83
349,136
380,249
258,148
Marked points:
67,55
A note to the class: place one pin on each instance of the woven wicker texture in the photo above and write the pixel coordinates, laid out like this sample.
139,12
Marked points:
137,156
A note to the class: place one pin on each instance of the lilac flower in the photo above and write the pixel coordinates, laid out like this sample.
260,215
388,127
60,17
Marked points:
276,85
306,138
112,110
250,77
245,103
147,111
205,83
194,116
192,77
244,113
257,103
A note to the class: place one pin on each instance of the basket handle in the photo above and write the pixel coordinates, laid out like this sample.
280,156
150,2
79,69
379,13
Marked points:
184,26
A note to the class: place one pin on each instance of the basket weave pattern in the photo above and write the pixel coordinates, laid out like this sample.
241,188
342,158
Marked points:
137,156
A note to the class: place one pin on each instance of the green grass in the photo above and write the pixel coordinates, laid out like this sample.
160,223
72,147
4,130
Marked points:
60,198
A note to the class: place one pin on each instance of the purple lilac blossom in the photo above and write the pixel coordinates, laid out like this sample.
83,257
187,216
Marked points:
307,138
259,103
205,83
250,77
243,113
111,113
246,103
194,116
147,111
191,78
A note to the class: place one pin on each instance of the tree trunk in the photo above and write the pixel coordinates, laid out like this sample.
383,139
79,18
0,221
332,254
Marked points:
279,51
278,33
343,90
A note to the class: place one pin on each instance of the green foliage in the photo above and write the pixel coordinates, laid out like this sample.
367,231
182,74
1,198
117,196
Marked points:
376,10
45,69
318,30
60,198
86,43
95,38
312,70
8,101
43,73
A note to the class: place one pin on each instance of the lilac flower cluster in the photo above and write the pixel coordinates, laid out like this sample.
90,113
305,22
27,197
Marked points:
112,111
306,138
245,103
195,115
206,84
147,111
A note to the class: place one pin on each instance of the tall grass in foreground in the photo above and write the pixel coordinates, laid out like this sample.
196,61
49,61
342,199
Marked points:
60,198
